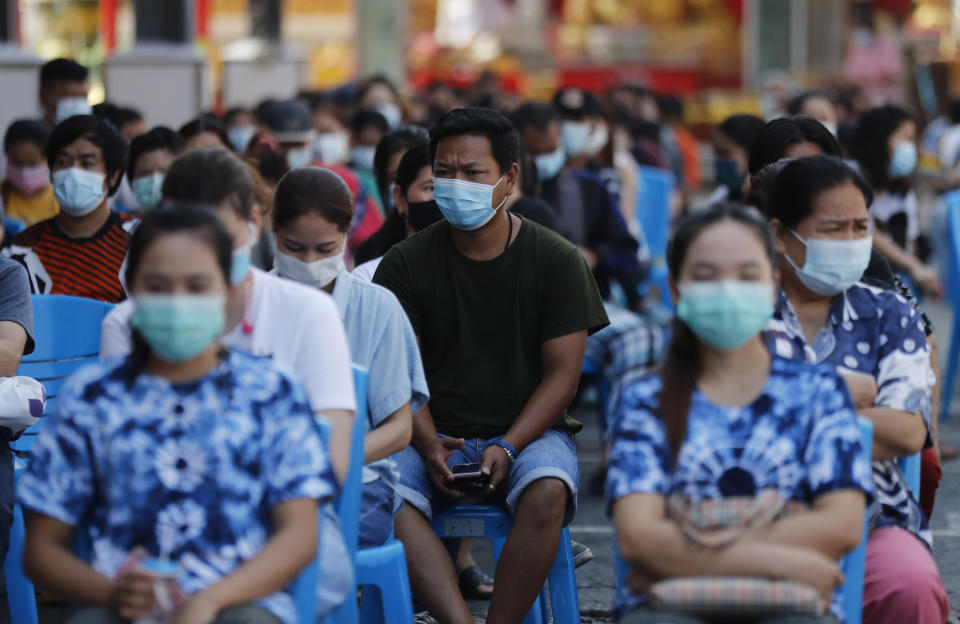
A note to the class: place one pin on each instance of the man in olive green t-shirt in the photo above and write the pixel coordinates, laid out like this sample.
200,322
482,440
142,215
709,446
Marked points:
502,308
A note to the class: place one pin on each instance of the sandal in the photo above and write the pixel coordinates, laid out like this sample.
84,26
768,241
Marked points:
470,581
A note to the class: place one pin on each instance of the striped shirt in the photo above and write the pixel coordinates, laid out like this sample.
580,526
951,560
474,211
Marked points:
82,267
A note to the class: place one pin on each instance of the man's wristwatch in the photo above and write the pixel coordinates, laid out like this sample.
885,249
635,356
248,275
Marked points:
508,449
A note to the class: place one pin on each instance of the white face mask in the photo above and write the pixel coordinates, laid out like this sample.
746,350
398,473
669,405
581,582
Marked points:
832,266
361,157
69,106
318,273
391,112
300,156
331,148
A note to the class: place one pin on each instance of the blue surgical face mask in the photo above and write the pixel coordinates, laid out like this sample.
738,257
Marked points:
148,190
832,266
240,258
178,327
240,136
904,159
78,191
725,314
576,137
466,205
69,106
549,165
300,156
361,157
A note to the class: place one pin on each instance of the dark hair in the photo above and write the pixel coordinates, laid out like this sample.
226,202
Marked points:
799,182
98,131
504,140
773,140
741,129
61,69
26,131
682,365
368,118
127,115
670,106
371,82
795,104
170,218
159,138
313,190
761,184
233,112
399,140
210,177
536,115
871,141
205,124
411,164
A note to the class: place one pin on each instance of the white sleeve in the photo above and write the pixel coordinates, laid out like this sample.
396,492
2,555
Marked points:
322,359
115,340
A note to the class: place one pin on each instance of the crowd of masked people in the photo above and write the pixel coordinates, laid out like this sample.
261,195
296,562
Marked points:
469,251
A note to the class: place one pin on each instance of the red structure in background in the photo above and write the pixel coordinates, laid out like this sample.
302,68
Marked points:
108,25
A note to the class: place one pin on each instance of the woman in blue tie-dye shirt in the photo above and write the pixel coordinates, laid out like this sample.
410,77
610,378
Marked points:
724,418
211,462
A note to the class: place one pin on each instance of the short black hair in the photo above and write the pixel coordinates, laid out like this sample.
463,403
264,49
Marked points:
205,124
368,118
159,138
773,140
98,131
62,70
27,131
399,140
742,129
670,106
410,166
536,115
209,177
233,112
477,121
117,115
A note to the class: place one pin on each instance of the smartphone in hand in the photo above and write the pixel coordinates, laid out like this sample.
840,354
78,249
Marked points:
468,477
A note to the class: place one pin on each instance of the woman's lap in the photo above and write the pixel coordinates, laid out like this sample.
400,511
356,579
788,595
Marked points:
244,614
901,581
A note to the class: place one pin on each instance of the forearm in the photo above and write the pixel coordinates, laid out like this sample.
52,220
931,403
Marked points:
894,254
895,433
424,431
284,555
57,570
543,409
391,436
814,530
661,551
341,432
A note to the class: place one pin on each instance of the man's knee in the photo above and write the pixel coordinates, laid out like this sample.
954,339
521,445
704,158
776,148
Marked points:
543,502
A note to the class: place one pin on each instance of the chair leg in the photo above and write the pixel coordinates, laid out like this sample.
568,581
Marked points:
953,363
21,598
371,606
563,584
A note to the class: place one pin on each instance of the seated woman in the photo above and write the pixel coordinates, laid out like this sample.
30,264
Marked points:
209,460
313,210
725,418
875,339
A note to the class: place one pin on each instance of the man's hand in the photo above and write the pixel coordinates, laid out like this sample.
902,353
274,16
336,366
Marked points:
436,457
496,465
863,389
132,595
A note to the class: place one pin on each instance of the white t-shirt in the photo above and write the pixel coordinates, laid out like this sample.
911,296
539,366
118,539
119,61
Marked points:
298,327
366,270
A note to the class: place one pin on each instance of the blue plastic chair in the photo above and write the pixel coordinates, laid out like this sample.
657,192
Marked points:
382,573
348,503
653,213
911,470
952,201
67,331
852,565
494,523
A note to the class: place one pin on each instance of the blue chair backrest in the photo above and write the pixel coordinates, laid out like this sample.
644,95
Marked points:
348,504
910,466
653,207
67,332
851,593
952,201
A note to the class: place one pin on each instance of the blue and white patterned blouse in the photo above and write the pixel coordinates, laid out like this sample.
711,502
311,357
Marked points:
875,332
800,437
187,471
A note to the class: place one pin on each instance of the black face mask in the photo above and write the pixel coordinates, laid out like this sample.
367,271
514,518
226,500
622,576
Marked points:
421,215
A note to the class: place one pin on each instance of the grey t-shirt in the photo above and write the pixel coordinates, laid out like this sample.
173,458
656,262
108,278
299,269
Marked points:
15,302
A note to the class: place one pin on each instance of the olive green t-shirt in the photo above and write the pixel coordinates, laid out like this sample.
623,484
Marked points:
481,324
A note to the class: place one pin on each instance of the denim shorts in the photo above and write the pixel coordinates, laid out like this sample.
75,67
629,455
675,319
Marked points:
551,455
379,505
